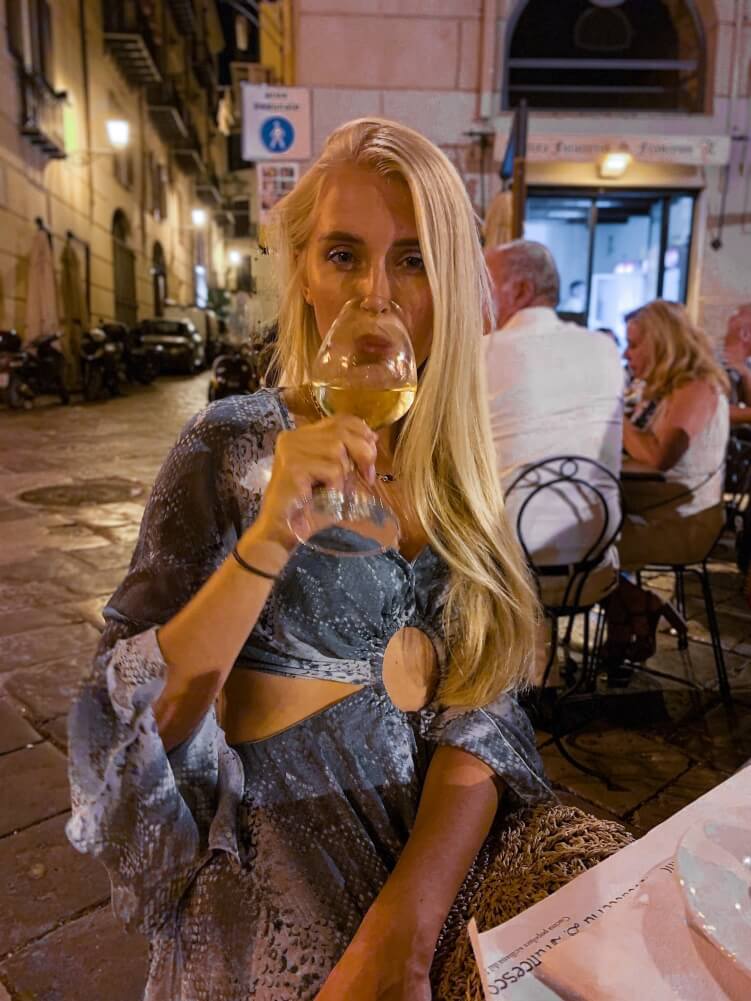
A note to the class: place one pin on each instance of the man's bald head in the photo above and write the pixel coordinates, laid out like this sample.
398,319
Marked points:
524,274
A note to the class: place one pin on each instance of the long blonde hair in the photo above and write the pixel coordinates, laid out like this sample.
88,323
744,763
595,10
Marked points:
681,351
444,454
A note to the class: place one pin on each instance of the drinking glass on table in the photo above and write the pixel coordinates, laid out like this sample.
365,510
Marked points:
365,367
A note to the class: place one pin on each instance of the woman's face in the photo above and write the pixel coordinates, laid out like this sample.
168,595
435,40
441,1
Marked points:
638,351
364,243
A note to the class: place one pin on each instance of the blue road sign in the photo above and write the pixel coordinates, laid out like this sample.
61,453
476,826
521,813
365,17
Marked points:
277,134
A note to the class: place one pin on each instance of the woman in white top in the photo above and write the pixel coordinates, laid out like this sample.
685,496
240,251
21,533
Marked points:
680,428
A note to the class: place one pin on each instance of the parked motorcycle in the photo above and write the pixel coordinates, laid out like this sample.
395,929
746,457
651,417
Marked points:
233,373
140,362
243,368
35,369
101,359
16,392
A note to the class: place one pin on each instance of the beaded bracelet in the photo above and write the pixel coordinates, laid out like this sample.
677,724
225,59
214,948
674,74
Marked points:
251,569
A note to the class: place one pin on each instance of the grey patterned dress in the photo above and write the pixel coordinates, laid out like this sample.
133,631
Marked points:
250,867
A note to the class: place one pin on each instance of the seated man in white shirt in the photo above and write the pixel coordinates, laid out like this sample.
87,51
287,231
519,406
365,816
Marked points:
555,389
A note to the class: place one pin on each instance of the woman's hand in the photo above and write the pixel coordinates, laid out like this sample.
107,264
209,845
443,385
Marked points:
321,453
385,971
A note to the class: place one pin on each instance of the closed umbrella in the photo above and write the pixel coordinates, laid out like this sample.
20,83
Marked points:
75,313
41,296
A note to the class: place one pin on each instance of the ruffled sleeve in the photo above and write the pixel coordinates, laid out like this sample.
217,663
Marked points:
150,816
500,733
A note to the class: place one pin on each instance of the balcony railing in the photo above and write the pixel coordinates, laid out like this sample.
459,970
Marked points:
208,189
189,153
184,15
42,115
168,112
128,36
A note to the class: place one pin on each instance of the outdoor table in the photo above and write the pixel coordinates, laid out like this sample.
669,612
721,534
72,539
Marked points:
622,929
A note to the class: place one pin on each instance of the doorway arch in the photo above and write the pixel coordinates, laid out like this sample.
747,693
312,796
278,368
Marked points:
594,55
124,268
159,278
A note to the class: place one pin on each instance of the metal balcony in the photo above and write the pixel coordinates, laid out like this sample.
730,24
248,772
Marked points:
42,115
189,153
184,15
208,190
168,113
128,37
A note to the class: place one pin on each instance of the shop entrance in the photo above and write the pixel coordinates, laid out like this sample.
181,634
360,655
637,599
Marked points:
615,249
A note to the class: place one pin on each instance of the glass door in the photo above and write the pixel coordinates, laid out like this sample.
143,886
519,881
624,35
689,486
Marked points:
615,250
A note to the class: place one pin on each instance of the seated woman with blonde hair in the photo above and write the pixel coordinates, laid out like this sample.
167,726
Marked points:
313,840
681,429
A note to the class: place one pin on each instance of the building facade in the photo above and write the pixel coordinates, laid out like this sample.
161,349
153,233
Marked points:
667,80
68,69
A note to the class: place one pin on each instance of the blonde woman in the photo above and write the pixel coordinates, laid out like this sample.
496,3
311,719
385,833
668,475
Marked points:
312,846
680,428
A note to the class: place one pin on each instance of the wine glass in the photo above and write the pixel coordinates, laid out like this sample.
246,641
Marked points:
365,367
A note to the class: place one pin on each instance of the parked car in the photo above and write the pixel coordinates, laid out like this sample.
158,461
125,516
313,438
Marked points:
140,362
206,323
183,348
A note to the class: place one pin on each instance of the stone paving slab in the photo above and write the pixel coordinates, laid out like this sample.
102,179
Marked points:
48,688
15,731
34,783
692,784
24,650
638,766
45,882
90,959
12,623
17,598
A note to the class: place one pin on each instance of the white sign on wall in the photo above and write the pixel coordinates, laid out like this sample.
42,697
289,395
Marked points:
275,122
691,150
275,180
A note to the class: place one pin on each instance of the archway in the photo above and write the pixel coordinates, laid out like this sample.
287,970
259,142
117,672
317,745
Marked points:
589,55
159,277
124,266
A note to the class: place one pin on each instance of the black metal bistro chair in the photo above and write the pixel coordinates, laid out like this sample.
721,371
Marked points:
577,486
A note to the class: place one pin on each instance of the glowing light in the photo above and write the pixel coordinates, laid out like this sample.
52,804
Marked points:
235,257
198,217
118,133
614,164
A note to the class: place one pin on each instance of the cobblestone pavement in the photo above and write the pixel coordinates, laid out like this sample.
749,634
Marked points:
63,552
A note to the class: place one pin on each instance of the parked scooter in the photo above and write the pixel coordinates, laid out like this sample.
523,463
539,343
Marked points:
140,362
101,359
243,368
16,392
35,369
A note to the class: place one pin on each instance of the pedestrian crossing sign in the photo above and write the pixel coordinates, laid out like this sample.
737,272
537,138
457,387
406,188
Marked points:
275,123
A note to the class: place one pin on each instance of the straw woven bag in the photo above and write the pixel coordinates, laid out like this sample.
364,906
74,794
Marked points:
528,855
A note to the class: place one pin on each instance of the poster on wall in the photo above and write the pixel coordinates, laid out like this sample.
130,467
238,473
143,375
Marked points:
275,123
275,180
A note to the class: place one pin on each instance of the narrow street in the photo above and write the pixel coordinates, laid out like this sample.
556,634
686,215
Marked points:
74,481
74,484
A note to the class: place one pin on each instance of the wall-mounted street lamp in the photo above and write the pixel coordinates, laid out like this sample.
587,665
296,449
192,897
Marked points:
118,134
614,164
235,258
199,218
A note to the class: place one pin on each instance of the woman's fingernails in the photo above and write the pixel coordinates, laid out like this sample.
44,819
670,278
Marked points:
371,475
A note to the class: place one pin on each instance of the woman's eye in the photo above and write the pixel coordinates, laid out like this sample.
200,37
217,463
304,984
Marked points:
414,262
340,257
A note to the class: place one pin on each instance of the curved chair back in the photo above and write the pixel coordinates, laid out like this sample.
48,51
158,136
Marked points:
586,490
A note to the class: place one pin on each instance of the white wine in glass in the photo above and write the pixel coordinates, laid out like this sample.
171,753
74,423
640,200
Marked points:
365,367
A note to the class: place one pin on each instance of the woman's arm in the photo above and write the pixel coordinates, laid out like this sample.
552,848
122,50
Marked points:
201,642
687,411
392,951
